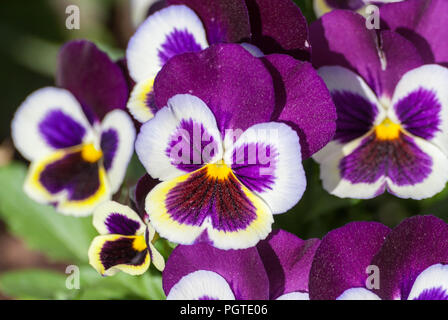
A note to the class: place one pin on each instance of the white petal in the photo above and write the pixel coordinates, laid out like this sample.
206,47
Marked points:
358,294
294,296
433,277
103,215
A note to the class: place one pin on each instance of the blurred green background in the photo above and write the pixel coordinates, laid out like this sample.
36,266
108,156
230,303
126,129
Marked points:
36,244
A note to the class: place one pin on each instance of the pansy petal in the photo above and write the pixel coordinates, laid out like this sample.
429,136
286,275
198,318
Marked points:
294,296
287,260
413,246
225,77
166,33
181,138
431,284
210,199
144,185
114,218
141,102
111,253
425,24
420,104
302,101
67,180
278,26
96,81
241,269
48,120
201,285
225,21
266,159
357,106
341,260
117,146
358,294
157,259
380,59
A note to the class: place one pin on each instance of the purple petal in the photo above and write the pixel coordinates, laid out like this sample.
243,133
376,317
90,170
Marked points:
381,60
118,223
424,23
109,145
96,81
341,260
302,101
225,21
287,260
235,85
242,269
144,185
413,246
278,26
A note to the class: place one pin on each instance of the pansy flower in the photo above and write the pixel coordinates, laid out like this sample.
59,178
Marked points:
228,158
124,243
409,262
78,137
391,129
277,268
262,26
324,6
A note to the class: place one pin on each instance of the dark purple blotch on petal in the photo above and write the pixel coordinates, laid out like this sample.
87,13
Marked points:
60,130
433,294
144,185
345,4
177,42
121,251
118,223
109,146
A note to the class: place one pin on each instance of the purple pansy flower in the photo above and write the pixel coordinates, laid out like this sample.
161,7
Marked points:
181,26
226,144
78,137
124,243
277,268
324,6
411,261
391,130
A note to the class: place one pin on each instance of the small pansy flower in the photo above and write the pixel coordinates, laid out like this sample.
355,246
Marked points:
229,196
78,137
322,7
409,262
262,26
277,268
391,129
124,243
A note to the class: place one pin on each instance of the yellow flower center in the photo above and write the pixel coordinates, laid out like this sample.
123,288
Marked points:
139,243
218,171
387,130
90,153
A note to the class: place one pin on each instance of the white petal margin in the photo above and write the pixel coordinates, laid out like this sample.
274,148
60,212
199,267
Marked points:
25,124
121,123
294,296
433,78
329,159
137,104
200,284
434,183
339,79
157,259
156,134
102,213
143,48
358,294
289,175
435,276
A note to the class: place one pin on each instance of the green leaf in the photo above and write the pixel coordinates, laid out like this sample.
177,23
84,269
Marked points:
40,226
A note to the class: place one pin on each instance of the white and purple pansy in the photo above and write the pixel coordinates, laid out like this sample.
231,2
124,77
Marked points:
78,137
322,7
411,262
229,156
124,243
190,26
391,133
277,268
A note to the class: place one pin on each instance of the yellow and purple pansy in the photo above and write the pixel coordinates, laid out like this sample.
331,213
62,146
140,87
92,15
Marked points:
411,261
124,243
77,136
277,269
181,26
392,109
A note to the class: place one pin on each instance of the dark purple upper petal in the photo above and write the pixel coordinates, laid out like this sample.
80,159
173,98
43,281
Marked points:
287,260
242,269
341,260
341,38
224,20
236,86
412,246
95,80
302,101
278,26
424,22
144,185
